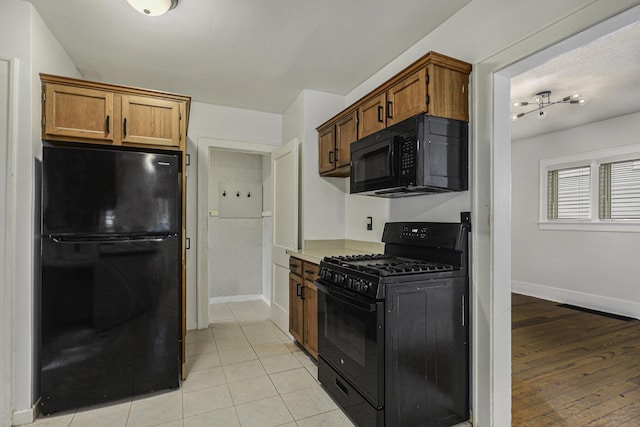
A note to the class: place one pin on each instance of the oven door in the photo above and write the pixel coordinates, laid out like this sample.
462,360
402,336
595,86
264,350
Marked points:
374,163
351,339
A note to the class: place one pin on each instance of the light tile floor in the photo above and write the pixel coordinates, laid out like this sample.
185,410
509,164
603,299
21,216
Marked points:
242,371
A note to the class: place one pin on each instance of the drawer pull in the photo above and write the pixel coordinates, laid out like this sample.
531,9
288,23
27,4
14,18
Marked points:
342,387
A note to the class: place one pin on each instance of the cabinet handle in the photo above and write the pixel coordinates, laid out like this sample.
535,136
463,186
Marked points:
335,156
298,292
380,112
342,387
331,154
389,110
463,307
309,271
108,124
302,292
124,126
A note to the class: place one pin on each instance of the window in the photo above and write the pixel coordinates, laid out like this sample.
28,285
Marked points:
620,190
592,191
568,193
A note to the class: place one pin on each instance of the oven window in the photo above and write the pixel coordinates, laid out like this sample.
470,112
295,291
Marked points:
350,339
346,332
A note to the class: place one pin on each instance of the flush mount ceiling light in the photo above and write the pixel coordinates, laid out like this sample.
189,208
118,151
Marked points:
153,7
543,99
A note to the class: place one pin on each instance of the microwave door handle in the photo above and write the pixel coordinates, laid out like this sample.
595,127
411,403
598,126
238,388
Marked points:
391,162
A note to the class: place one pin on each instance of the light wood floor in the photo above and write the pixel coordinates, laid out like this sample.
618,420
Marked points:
571,368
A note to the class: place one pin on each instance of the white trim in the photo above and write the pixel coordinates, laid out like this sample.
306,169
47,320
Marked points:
620,225
593,159
580,299
607,155
204,146
7,239
236,298
26,416
491,289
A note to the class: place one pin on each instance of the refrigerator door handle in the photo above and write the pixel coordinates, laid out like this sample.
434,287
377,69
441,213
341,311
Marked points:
112,239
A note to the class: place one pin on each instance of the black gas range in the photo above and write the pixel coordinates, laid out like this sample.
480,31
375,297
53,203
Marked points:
393,328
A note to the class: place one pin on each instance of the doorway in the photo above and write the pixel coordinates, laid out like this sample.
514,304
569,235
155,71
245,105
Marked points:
503,79
236,225
491,171
239,227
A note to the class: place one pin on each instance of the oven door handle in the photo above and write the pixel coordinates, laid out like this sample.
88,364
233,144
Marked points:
348,299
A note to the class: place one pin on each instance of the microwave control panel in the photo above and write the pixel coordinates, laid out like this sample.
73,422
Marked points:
408,160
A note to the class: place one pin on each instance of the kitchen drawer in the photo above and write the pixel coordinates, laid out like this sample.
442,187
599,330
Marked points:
347,398
295,266
310,271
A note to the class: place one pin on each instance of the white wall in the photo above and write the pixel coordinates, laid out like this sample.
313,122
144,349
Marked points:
322,199
24,36
491,35
7,67
596,269
208,122
235,244
14,43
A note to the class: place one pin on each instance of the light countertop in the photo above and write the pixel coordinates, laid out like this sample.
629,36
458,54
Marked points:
316,250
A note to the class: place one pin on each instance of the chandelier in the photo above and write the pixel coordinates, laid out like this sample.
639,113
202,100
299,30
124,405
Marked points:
543,100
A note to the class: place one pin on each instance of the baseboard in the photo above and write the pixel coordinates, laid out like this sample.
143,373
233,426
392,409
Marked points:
280,317
581,299
26,416
235,298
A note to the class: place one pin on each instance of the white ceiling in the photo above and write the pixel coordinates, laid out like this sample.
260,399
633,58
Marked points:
253,54
605,71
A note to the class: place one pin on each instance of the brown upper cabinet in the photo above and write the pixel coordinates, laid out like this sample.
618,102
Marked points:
372,115
82,111
77,112
334,142
327,141
434,84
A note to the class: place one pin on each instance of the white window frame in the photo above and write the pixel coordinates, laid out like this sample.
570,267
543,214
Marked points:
593,159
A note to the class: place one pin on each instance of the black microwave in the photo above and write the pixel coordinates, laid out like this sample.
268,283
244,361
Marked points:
422,154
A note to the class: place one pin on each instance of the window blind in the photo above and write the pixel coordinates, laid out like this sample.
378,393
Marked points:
620,190
568,192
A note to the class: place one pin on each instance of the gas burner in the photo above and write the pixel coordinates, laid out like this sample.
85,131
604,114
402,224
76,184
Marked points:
400,267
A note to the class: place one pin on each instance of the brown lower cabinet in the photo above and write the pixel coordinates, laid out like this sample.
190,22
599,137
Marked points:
303,304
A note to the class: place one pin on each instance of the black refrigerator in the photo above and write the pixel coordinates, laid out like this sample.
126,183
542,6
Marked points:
110,312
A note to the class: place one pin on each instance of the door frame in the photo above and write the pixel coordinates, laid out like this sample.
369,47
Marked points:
492,177
205,144
7,239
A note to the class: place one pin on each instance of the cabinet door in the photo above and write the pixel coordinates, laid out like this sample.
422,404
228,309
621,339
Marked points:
372,116
150,121
311,318
448,93
296,308
346,133
77,112
327,145
407,98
